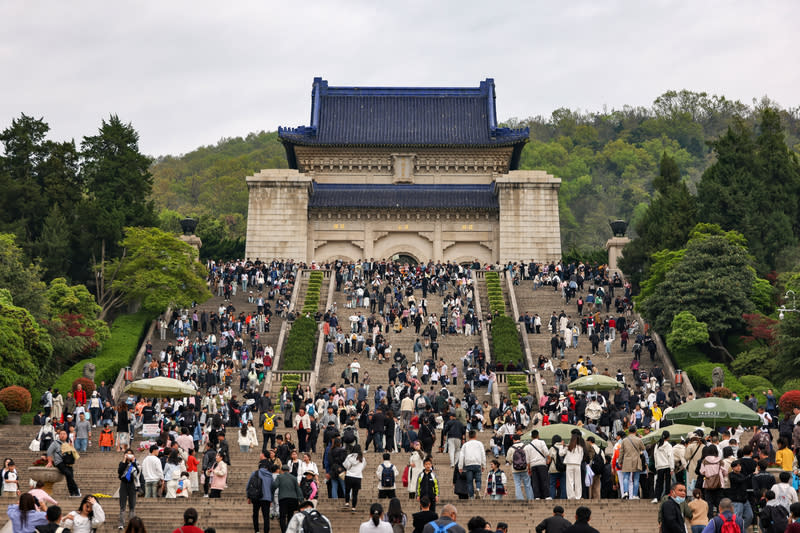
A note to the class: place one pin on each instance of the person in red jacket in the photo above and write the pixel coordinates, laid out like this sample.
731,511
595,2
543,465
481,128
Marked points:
80,395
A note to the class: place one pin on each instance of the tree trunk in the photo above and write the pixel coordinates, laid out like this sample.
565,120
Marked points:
715,342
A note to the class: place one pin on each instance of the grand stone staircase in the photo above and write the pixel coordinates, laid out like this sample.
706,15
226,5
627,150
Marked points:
544,301
95,472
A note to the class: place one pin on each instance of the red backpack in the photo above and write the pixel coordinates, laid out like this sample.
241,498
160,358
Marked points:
729,526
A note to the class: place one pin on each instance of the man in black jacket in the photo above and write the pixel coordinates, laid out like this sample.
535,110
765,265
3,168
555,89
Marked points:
424,516
581,525
672,515
377,425
554,524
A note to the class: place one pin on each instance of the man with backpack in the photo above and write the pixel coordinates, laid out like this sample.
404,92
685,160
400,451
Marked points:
726,521
446,523
309,520
520,455
387,474
268,419
259,493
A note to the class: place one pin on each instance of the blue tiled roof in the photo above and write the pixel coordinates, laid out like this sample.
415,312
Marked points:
355,196
402,116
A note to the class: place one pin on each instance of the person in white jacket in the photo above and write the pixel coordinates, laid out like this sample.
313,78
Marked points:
573,457
665,465
88,516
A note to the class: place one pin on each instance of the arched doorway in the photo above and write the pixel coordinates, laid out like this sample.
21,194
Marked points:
404,258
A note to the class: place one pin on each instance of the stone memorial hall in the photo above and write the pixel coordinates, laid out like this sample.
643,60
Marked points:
411,174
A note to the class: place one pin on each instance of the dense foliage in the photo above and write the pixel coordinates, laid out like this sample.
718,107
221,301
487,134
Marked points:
160,270
300,348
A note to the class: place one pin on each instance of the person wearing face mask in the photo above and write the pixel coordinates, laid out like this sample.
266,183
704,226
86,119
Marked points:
128,473
672,518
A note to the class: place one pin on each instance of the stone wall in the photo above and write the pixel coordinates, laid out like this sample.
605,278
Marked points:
529,221
277,215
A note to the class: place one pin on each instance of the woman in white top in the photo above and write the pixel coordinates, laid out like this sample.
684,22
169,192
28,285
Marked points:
415,468
306,465
88,516
375,524
354,465
573,457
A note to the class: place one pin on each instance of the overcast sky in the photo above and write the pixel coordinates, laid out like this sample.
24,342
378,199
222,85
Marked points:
187,73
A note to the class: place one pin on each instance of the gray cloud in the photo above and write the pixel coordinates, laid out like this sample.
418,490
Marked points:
187,73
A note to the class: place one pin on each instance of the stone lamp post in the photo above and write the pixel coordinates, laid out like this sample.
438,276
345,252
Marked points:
188,225
615,244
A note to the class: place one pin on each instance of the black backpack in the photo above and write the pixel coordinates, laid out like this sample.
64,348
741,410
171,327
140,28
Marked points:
314,522
560,464
387,476
598,464
253,490
349,435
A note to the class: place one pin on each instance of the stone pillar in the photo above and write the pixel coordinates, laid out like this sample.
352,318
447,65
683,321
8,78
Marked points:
614,245
529,221
277,215
188,225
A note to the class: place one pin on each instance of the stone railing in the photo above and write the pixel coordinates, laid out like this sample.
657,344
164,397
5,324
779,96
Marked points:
301,278
512,295
314,377
686,387
137,366
502,377
305,375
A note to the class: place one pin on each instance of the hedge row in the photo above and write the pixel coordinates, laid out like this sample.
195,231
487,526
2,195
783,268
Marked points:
518,384
119,351
311,303
699,369
505,340
298,354
494,293
290,380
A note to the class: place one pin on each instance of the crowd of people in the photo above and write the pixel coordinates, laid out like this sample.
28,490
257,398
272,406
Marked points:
430,406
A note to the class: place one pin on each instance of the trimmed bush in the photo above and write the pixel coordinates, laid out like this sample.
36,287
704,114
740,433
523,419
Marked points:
298,354
87,384
789,401
505,341
700,375
16,398
127,334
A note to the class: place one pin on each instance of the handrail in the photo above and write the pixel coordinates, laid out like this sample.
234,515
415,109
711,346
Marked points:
531,365
276,359
138,362
312,381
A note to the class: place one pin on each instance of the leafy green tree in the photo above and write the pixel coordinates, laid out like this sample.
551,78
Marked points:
118,187
712,281
665,225
159,270
686,332
73,325
751,187
36,176
25,344
21,278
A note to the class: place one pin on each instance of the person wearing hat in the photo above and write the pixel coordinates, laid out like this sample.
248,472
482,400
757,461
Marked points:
289,494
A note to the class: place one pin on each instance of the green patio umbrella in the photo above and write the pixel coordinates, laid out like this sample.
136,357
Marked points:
160,387
596,382
676,431
714,412
546,433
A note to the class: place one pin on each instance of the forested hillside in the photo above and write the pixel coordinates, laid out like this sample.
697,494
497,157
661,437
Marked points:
607,162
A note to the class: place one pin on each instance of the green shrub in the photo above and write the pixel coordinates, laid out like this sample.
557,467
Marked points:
505,340
792,384
298,354
127,333
700,376
757,361
3,413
